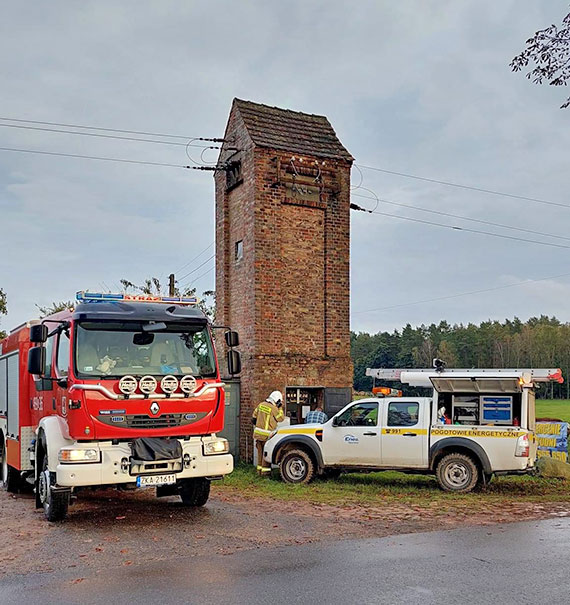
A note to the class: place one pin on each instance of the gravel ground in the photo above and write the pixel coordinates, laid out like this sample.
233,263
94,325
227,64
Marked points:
107,529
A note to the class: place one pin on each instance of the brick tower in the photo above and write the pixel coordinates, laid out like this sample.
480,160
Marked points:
282,258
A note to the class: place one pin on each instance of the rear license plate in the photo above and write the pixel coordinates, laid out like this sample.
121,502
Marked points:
153,480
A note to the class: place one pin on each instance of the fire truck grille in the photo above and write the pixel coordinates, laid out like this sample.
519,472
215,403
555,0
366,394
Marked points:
140,421
143,421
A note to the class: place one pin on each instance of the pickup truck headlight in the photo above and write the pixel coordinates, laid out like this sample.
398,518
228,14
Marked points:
78,456
220,446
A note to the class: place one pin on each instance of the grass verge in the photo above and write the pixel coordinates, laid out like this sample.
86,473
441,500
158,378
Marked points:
390,487
553,408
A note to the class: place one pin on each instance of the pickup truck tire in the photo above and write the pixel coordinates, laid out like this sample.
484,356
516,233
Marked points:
296,466
194,492
457,473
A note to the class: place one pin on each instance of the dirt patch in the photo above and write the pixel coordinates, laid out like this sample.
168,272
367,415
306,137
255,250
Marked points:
111,529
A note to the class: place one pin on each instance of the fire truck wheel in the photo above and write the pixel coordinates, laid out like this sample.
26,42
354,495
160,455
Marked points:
296,466
194,492
55,502
457,473
10,477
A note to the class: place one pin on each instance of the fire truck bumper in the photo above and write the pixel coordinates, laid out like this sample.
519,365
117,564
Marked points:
114,464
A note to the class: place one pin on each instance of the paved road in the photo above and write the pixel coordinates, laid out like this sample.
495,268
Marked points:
514,563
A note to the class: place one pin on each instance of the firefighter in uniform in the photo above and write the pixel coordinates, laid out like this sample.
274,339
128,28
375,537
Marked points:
265,418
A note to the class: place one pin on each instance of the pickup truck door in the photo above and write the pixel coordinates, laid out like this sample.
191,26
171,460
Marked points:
404,433
355,441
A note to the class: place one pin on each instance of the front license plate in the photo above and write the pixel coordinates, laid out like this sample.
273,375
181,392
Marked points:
153,480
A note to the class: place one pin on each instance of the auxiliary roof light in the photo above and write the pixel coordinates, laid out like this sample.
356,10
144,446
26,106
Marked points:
386,392
169,384
148,384
128,385
109,297
188,384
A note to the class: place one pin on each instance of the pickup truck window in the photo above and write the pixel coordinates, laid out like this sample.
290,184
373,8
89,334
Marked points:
403,413
361,414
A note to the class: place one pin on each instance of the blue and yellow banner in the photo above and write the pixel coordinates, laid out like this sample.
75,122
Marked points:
552,440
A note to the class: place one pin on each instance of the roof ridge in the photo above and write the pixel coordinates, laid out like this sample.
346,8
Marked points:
281,109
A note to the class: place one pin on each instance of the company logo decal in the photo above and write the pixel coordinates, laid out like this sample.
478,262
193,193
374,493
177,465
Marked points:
350,439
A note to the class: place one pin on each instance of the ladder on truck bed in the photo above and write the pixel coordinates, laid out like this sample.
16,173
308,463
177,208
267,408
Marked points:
422,377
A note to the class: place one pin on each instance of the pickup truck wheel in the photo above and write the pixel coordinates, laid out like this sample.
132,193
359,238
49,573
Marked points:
457,473
297,466
194,492
10,478
55,502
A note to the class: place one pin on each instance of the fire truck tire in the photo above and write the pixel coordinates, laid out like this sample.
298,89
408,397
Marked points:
10,478
296,466
54,502
457,473
194,492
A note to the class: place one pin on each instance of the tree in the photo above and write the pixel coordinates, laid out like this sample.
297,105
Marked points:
549,51
54,307
3,309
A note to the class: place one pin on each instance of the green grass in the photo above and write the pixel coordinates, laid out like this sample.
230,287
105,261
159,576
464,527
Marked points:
553,408
390,487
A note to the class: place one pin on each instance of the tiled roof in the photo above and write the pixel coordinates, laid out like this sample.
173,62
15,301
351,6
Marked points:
287,130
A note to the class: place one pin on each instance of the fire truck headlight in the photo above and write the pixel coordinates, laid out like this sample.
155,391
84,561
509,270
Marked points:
220,446
78,456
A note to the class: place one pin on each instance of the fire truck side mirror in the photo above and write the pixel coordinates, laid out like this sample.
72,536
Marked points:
38,333
234,362
37,361
232,338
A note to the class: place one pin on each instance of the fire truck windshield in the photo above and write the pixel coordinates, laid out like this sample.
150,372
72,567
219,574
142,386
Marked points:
112,349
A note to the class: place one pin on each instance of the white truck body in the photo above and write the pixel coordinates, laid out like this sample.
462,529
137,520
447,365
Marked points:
406,433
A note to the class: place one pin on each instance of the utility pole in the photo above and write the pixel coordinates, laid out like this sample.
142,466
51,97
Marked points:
171,285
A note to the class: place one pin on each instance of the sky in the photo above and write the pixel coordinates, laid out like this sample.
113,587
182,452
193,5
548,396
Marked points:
420,88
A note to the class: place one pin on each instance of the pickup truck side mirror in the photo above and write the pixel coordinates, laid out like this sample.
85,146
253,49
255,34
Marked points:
335,421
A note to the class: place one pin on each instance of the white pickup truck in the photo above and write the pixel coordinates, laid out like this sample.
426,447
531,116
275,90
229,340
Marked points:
477,423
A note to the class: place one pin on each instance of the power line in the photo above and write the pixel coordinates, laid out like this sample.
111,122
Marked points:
427,300
109,136
152,134
92,157
196,269
456,228
463,218
203,275
469,187
196,257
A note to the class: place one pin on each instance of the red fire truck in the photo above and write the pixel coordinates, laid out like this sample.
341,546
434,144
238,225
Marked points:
121,391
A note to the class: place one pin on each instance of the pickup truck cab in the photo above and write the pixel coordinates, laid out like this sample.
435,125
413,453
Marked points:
476,424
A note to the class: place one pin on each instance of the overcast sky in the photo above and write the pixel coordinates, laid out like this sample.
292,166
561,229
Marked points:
419,87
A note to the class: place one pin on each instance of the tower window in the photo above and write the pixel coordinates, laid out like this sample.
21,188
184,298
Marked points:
239,251
233,174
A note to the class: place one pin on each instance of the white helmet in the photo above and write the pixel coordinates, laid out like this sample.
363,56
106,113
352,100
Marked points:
275,397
